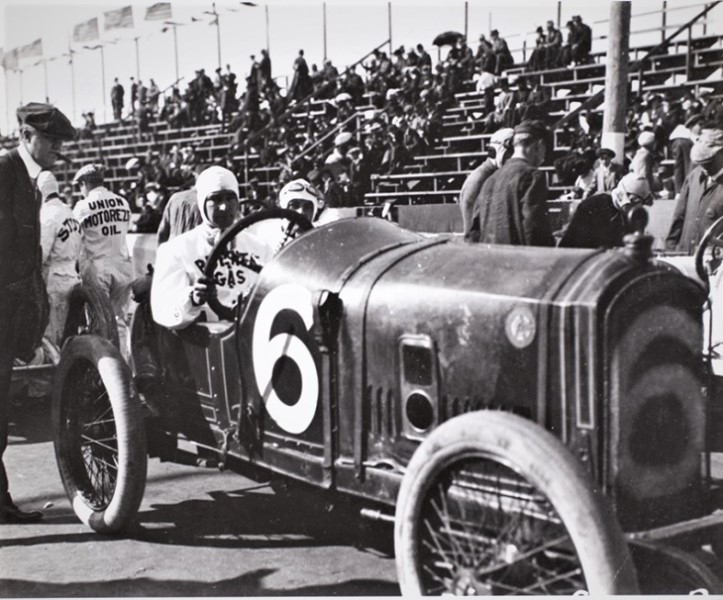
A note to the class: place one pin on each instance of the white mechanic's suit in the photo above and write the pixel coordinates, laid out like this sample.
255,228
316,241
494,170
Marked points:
104,219
61,243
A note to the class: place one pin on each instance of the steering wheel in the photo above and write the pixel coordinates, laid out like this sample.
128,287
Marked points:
713,239
298,223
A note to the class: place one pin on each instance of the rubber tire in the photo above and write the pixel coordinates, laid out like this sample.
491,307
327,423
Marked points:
665,569
713,231
543,461
224,312
130,430
99,303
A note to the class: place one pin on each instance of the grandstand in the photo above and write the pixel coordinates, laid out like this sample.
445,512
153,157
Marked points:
687,61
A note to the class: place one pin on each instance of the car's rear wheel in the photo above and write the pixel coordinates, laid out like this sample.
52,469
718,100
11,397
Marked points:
90,311
99,434
493,504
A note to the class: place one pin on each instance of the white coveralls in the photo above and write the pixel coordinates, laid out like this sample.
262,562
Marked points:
104,219
61,242
181,261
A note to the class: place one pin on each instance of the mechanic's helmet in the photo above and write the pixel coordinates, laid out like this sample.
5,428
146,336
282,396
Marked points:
214,179
47,185
633,189
500,141
299,192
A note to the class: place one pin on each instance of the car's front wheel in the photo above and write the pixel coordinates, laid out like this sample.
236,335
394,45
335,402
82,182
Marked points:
99,434
493,504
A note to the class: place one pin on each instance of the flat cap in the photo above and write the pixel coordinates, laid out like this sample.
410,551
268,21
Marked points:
46,119
533,128
605,152
342,138
708,144
92,171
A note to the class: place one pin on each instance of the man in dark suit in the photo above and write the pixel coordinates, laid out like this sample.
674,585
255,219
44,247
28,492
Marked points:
514,198
23,300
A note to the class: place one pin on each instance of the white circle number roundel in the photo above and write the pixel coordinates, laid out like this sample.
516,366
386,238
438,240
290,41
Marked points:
268,350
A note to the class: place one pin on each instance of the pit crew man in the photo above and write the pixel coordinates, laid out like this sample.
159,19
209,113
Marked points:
180,291
61,242
104,219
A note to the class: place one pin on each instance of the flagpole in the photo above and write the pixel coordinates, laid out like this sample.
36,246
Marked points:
72,79
7,99
102,71
175,49
138,59
266,6
218,33
45,74
323,7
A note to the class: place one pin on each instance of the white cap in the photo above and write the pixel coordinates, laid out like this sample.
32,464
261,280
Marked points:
502,136
300,189
342,138
635,185
47,184
646,138
214,179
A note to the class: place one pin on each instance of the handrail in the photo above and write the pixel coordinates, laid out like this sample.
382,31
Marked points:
291,109
325,137
594,100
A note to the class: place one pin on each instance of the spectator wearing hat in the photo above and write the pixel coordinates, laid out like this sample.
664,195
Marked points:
700,202
116,99
679,147
485,57
60,242
602,220
643,162
606,174
181,212
425,60
538,58
503,56
553,46
514,199
104,219
694,125
500,149
581,41
23,301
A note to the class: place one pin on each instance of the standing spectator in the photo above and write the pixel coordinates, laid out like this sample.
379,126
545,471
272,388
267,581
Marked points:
116,99
644,160
606,175
264,69
486,85
104,219
424,59
582,41
60,242
142,93
338,162
601,220
301,85
679,147
700,202
566,52
553,46
503,56
23,302
500,149
514,198
485,56
153,94
134,94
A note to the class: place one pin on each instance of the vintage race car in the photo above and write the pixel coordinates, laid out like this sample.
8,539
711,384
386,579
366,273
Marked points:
529,419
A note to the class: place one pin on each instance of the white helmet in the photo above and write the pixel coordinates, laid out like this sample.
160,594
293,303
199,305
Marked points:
300,189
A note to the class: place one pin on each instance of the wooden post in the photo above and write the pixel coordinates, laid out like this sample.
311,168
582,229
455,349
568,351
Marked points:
616,80
664,18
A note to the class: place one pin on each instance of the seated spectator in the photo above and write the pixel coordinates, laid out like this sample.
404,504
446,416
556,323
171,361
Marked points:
602,220
485,56
338,162
553,46
538,58
581,42
606,175
504,106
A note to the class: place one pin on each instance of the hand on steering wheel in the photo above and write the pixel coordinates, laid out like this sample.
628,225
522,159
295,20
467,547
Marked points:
297,222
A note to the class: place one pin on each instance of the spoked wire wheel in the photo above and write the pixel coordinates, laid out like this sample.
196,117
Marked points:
90,312
493,504
100,441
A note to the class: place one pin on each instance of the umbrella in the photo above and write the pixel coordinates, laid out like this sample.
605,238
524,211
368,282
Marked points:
448,38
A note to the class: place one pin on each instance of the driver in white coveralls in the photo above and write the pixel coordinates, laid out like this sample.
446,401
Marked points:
61,242
179,291
104,219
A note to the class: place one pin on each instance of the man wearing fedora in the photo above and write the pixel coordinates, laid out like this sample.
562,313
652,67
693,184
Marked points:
23,300
700,202
606,175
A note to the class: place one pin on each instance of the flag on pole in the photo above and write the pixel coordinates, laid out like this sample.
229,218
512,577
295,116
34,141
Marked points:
10,60
119,19
160,11
31,50
87,31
